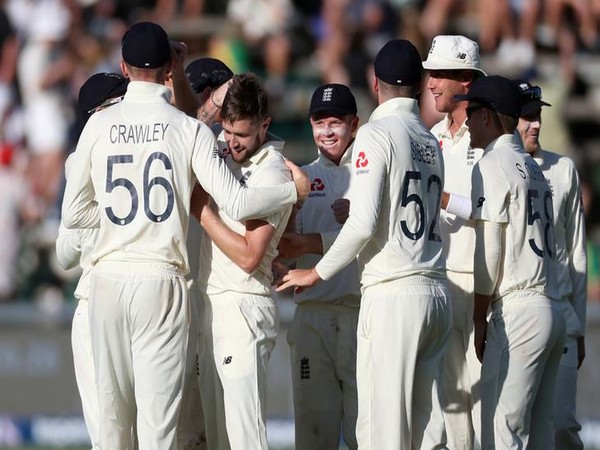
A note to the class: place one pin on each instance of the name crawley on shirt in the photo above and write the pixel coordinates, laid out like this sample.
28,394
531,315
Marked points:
137,134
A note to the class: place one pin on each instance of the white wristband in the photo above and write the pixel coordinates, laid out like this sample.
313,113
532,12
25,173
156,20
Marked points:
459,206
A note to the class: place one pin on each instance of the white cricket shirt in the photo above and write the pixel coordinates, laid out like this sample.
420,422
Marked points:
510,188
569,231
395,195
73,248
329,182
219,274
458,234
133,173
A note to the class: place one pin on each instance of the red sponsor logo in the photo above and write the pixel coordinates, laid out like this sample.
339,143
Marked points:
317,185
441,144
361,160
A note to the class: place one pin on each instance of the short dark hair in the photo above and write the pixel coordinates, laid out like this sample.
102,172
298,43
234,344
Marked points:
508,124
246,98
410,91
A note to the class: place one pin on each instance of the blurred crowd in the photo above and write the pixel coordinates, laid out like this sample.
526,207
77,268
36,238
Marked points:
48,48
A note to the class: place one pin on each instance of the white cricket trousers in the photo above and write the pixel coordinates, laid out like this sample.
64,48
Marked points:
139,323
566,426
322,340
238,334
524,343
83,362
462,399
403,330
191,433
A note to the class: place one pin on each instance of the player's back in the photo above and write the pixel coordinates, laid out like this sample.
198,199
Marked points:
142,176
561,174
406,239
517,195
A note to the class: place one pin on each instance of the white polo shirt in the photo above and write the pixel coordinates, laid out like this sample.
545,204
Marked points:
510,188
133,172
569,231
219,274
329,181
458,234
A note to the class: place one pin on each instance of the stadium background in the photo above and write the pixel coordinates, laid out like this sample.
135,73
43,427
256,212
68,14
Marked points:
39,405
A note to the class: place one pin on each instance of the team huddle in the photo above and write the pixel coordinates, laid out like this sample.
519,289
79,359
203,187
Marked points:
439,275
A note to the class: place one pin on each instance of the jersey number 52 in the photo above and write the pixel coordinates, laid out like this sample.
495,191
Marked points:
414,198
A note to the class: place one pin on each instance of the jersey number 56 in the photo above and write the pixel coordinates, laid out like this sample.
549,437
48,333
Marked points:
147,186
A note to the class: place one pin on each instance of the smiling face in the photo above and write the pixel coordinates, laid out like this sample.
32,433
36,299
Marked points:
529,129
445,84
333,133
244,137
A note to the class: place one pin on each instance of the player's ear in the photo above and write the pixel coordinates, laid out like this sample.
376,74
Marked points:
124,69
265,124
354,123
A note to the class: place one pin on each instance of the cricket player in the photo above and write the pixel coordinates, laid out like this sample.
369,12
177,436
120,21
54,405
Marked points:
405,316
199,88
240,316
322,336
196,85
521,345
569,231
453,65
74,247
134,169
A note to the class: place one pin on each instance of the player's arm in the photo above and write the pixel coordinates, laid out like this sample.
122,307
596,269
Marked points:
294,244
576,249
79,206
361,224
457,204
245,251
184,96
489,192
239,202
489,246
68,247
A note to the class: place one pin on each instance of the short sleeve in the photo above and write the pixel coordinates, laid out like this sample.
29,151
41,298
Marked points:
489,191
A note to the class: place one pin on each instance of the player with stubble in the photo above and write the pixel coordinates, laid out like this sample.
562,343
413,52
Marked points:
240,317
569,231
133,172
405,316
518,324
322,336
453,65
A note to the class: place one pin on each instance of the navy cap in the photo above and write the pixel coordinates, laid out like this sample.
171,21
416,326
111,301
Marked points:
497,93
146,45
399,63
97,89
332,98
207,72
531,97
